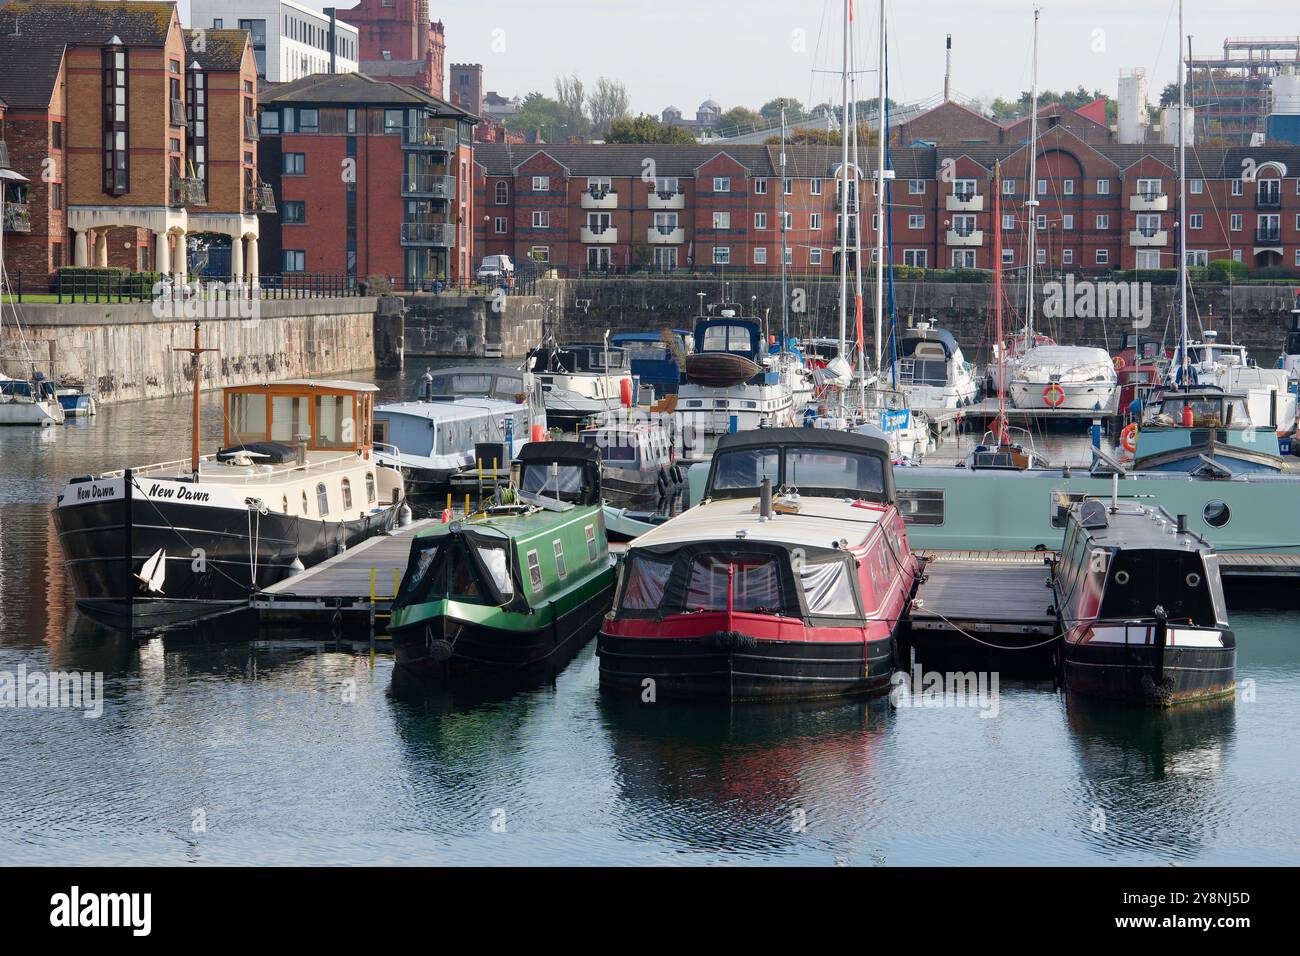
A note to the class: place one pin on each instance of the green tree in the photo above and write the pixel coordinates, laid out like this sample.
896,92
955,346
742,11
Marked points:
740,118
607,102
571,96
647,129
537,112
771,110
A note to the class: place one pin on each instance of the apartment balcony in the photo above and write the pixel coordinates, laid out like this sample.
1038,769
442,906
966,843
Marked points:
599,199
601,235
177,113
965,202
428,186
666,200
18,217
188,192
1268,199
965,237
663,236
1268,237
251,132
440,234
434,138
1146,238
1148,202
261,198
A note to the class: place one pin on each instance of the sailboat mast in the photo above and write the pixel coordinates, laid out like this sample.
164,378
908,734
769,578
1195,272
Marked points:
1182,202
857,233
882,211
1032,202
997,301
844,181
785,298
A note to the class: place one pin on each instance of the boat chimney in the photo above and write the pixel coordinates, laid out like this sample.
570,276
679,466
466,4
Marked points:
301,456
765,499
1114,493
1182,524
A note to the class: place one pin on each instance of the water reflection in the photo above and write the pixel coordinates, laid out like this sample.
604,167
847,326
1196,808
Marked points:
1152,779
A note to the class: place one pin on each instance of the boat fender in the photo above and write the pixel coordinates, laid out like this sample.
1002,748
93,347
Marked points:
439,649
730,640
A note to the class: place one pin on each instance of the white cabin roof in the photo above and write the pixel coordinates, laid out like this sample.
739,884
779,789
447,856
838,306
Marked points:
447,411
339,384
820,523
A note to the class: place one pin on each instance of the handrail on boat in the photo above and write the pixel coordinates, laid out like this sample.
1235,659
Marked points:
327,464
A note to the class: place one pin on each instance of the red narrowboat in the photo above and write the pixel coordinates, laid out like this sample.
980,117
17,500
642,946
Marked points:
788,580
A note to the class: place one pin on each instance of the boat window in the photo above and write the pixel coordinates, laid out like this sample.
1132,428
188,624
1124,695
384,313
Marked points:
416,581
611,448
728,338
370,487
322,499
289,417
852,473
645,578
560,569
1216,513
747,468
828,588
923,506
247,418
495,560
534,571
304,502
347,495
336,425
565,484
592,547
285,503
754,584
1139,580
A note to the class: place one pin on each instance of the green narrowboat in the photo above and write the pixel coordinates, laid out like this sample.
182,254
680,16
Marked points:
513,585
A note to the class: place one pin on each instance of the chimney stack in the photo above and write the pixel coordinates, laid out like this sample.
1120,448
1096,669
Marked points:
947,68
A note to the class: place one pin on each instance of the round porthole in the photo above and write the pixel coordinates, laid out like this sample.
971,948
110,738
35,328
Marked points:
1216,513
1193,580
1121,577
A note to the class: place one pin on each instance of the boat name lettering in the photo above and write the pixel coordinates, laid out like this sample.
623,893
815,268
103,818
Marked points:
157,490
92,492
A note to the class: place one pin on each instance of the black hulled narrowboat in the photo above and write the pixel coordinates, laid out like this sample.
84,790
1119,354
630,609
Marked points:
788,580
1141,608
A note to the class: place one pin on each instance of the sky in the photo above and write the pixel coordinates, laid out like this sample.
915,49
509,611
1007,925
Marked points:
746,52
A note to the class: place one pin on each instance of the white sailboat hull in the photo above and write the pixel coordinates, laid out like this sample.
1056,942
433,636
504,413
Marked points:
26,412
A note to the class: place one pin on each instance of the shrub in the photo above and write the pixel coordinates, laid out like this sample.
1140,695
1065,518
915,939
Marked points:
1227,270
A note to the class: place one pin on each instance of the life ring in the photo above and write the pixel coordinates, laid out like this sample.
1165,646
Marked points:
1129,437
1119,362
1054,395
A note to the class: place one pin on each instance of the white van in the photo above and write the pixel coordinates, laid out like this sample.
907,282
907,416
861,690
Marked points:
495,267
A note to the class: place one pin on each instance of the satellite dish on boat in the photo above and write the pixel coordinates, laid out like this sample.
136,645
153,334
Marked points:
153,572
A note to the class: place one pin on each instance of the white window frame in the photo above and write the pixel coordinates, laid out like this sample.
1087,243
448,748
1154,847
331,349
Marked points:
722,184
499,225
815,187
1196,186
760,255
722,255
1067,187
1102,257
545,253
916,220
1103,221
541,184
1008,222
1103,187
814,221
760,220
1067,221
916,187
814,256
1236,222
1238,187
760,186
721,220
541,219
1195,220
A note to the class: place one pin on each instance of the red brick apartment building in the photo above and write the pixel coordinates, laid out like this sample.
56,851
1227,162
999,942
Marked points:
400,43
577,208
373,178
130,140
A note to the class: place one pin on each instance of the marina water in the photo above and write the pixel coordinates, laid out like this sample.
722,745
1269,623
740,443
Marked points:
219,745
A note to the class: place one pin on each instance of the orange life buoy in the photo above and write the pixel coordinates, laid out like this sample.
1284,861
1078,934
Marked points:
1054,395
1129,437
1119,362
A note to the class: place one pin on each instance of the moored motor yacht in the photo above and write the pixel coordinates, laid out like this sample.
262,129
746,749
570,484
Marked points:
295,482
788,581
1206,432
1064,377
32,402
581,380
932,370
1141,608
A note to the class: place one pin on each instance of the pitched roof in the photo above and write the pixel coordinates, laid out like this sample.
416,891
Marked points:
28,71
223,50
91,22
356,89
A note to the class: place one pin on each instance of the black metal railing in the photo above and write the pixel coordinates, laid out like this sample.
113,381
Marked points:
1268,235
964,195
1268,197
18,217
429,233
432,137
187,191
435,185
261,198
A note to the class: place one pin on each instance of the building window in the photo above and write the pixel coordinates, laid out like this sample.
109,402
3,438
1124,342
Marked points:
722,220
721,255
295,260
1103,222
540,253
499,225
1149,187
1008,257
503,194
541,184
1067,187
916,258
56,195
1042,187
56,135
1196,186
117,178
1103,256
1236,255
1042,256
1042,222
760,255
1067,221
1008,187
1067,257
722,184
814,221
1235,222
814,257
269,123
787,221
1195,220
815,187
322,499
1009,223
541,219
760,187
293,211
760,220
294,164
1103,187
914,221
1238,188
788,187
309,121
916,187
394,121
